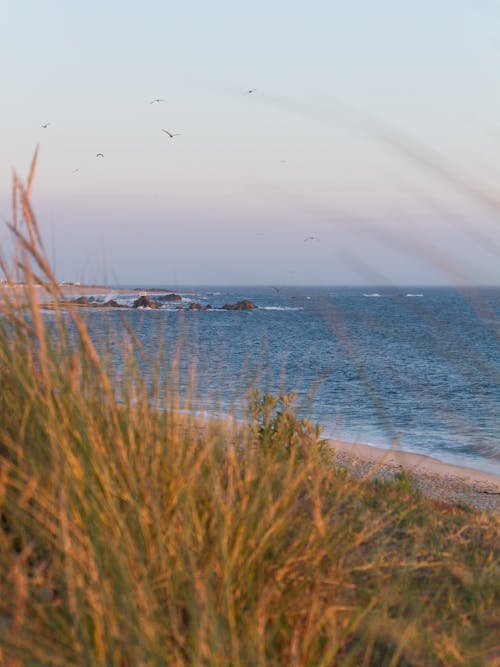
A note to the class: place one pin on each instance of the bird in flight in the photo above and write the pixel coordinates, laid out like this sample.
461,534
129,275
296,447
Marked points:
250,91
99,155
170,134
45,125
311,238
75,170
157,100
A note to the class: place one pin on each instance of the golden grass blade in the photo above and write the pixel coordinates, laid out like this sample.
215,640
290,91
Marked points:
32,171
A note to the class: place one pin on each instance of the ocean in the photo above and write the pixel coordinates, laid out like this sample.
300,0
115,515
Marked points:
414,368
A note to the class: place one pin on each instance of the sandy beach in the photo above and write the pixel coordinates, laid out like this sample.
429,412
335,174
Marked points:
436,479
445,482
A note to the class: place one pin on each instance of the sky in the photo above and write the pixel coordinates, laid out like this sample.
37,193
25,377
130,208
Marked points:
374,128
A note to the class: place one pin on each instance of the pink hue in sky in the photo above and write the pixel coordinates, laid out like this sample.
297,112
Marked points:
315,150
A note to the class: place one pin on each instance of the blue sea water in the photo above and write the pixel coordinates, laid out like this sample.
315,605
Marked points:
416,368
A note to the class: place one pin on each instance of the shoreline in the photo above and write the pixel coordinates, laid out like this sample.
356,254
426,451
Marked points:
445,482
448,484
418,463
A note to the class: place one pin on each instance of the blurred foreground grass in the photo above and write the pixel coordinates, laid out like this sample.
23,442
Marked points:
133,535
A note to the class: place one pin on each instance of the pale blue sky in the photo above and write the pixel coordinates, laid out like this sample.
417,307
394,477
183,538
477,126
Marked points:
374,127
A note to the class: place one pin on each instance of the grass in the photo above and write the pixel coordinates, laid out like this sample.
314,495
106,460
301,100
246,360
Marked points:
132,535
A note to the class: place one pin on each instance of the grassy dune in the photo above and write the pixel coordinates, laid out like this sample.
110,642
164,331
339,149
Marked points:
131,535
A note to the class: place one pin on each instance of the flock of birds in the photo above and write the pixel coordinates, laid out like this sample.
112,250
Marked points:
171,135
157,100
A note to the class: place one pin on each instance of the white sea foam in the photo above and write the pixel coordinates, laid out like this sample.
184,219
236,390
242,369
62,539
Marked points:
374,295
414,295
280,308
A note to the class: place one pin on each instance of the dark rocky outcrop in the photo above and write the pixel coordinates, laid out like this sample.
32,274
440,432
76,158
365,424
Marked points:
240,305
144,302
169,297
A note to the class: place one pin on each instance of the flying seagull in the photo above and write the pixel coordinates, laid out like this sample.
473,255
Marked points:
99,155
250,91
175,134
157,100
75,170
311,238
45,125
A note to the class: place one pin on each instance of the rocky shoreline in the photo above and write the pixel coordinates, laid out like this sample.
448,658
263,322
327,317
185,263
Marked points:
98,296
145,301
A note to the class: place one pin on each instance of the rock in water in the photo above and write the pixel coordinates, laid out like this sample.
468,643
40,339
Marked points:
170,297
240,305
144,302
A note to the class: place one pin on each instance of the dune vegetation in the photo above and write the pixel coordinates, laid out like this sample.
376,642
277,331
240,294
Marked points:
132,533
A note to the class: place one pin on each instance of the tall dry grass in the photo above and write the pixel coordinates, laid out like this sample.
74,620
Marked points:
132,535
